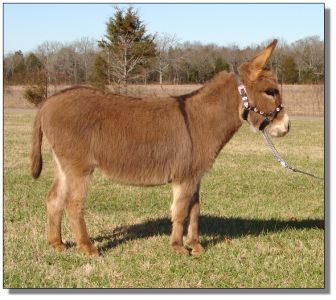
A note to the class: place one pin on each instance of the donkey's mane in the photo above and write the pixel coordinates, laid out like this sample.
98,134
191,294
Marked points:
213,83
217,81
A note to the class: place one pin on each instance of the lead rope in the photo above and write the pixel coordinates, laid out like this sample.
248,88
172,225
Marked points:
281,160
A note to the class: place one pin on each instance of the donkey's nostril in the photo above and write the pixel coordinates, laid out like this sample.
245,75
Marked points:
289,125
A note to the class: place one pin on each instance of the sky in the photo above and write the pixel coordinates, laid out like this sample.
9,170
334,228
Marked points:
28,25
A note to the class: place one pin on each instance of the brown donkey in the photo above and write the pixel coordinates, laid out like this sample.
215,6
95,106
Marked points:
148,142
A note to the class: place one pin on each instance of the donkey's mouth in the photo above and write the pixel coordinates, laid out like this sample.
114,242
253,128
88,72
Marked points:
280,128
278,133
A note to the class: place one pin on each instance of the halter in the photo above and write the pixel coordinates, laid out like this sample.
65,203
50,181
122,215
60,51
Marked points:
247,107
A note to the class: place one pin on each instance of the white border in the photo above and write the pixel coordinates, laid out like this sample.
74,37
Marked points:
330,5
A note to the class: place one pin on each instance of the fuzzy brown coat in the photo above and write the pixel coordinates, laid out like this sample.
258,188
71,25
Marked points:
143,141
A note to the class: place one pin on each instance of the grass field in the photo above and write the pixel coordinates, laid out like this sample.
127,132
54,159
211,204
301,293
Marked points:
261,225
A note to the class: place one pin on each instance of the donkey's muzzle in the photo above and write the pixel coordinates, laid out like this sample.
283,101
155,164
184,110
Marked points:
279,128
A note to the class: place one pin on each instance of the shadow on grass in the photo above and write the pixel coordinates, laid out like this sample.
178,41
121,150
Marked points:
215,229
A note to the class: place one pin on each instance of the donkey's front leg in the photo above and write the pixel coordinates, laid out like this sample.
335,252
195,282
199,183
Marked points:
182,193
193,236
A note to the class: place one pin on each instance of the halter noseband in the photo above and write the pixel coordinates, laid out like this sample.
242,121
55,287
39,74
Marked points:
248,108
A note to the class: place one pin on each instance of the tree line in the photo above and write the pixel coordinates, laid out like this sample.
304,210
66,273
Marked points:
128,54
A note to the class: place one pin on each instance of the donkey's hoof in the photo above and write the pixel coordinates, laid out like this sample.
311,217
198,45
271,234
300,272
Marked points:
197,250
89,250
195,247
58,246
180,249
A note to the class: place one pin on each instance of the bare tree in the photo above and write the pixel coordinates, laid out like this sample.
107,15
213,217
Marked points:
46,53
65,65
175,69
164,42
86,49
128,54
309,54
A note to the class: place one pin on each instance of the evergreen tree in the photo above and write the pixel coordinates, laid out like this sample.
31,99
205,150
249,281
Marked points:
33,63
127,46
98,76
34,68
290,73
19,68
221,65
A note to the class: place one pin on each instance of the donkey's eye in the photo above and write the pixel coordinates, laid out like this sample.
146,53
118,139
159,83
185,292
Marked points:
272,92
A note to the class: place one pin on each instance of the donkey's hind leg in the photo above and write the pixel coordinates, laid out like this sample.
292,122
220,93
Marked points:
182,193
75,209
55,207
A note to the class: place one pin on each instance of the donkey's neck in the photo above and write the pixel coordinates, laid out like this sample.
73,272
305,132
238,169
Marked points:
215,111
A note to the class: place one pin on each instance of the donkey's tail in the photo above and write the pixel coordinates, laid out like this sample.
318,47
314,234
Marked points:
35,154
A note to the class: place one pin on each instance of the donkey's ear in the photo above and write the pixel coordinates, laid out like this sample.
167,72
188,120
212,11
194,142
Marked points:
257,64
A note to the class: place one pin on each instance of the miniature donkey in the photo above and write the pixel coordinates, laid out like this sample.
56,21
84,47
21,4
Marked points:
147,142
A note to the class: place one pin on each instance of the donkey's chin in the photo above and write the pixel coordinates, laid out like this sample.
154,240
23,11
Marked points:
277,132
280,127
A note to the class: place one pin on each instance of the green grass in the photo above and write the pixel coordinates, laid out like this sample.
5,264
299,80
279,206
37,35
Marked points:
262,226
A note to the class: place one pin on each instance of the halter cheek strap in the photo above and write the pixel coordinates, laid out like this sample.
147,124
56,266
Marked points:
247,108
264,124
273,115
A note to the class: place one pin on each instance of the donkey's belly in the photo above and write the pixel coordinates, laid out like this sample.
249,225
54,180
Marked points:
142,178
137,172
138,162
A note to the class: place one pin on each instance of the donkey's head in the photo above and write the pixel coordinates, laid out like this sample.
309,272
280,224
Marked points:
264,107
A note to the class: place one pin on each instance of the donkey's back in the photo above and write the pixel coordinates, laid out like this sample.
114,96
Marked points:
133,140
